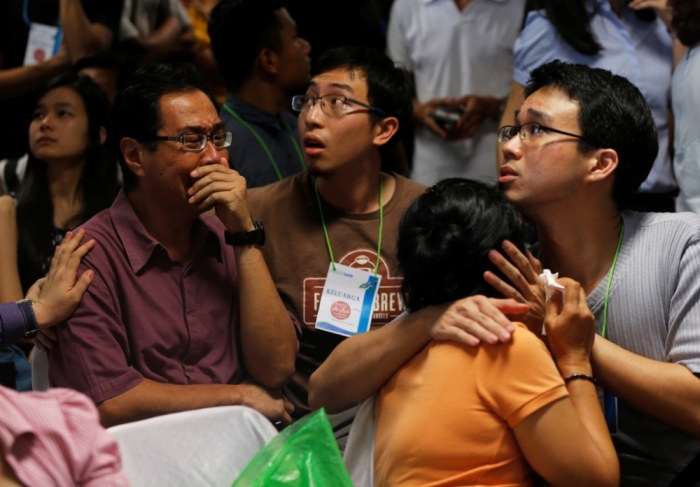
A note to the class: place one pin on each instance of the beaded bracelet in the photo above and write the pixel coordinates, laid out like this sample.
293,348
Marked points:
587,377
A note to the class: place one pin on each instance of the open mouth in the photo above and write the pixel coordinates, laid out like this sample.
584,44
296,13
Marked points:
312,141
312,145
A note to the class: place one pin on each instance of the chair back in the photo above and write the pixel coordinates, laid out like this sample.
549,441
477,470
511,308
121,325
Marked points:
359,450
40,370
203,447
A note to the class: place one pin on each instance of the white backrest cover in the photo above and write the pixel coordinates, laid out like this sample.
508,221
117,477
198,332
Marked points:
205,447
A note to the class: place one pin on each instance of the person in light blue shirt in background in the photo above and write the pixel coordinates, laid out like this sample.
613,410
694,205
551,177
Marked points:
685,92
612,35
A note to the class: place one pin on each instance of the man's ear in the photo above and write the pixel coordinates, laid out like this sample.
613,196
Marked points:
268,60
603,165
131,150
385,130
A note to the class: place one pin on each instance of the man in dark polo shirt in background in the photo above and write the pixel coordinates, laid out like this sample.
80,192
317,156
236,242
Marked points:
182,313
263,62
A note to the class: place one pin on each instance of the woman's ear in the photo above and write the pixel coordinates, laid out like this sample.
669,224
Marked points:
103,135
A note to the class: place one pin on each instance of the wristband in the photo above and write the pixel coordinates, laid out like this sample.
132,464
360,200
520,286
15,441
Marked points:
587,377
31,327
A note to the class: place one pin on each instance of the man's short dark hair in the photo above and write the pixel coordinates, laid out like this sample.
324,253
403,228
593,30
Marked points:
686,20
445,237
613,114
136,112
388,85
239,30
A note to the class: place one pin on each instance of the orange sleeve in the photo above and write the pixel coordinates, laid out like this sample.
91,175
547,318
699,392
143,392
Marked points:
518,378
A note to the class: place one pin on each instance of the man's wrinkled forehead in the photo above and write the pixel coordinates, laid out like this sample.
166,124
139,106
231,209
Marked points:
178,111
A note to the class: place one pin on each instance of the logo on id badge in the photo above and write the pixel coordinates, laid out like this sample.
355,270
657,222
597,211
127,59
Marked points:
43,43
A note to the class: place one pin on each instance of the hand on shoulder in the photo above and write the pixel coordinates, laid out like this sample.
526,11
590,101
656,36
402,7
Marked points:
523,284
56,296
475,319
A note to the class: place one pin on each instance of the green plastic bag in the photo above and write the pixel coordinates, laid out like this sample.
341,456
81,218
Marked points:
303,455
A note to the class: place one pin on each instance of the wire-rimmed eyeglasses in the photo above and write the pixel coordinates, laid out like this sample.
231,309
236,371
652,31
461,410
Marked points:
197,142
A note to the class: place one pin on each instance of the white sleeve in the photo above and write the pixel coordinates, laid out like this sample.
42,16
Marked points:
397,49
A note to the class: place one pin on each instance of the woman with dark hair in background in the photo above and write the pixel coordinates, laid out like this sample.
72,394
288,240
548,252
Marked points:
71,175
488,415
622,36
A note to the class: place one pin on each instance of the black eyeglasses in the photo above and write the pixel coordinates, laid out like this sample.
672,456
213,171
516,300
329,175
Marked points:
527,131
197,142
331,105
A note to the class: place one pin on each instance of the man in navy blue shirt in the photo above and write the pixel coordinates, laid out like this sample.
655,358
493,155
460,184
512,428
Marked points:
263,62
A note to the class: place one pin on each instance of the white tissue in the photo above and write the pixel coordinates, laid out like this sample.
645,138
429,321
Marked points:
550,287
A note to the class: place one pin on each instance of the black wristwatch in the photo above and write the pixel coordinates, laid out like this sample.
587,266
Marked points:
31,327
254,237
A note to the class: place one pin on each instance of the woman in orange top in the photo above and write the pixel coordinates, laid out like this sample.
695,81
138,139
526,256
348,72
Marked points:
488,415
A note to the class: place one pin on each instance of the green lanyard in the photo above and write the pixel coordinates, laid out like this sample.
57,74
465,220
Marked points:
381,223
609,284
264,145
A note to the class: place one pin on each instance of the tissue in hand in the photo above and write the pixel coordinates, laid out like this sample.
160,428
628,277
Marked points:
550,287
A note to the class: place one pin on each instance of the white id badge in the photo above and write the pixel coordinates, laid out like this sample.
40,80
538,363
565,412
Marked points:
608,402
347,302
43,43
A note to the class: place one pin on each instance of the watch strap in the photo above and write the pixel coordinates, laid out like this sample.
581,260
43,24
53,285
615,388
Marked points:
31,327
254,237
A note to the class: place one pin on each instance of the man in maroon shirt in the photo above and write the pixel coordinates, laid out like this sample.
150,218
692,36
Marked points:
182,313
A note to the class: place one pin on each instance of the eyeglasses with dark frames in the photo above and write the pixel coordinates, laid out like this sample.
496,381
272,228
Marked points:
197,142
331,105
529,131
